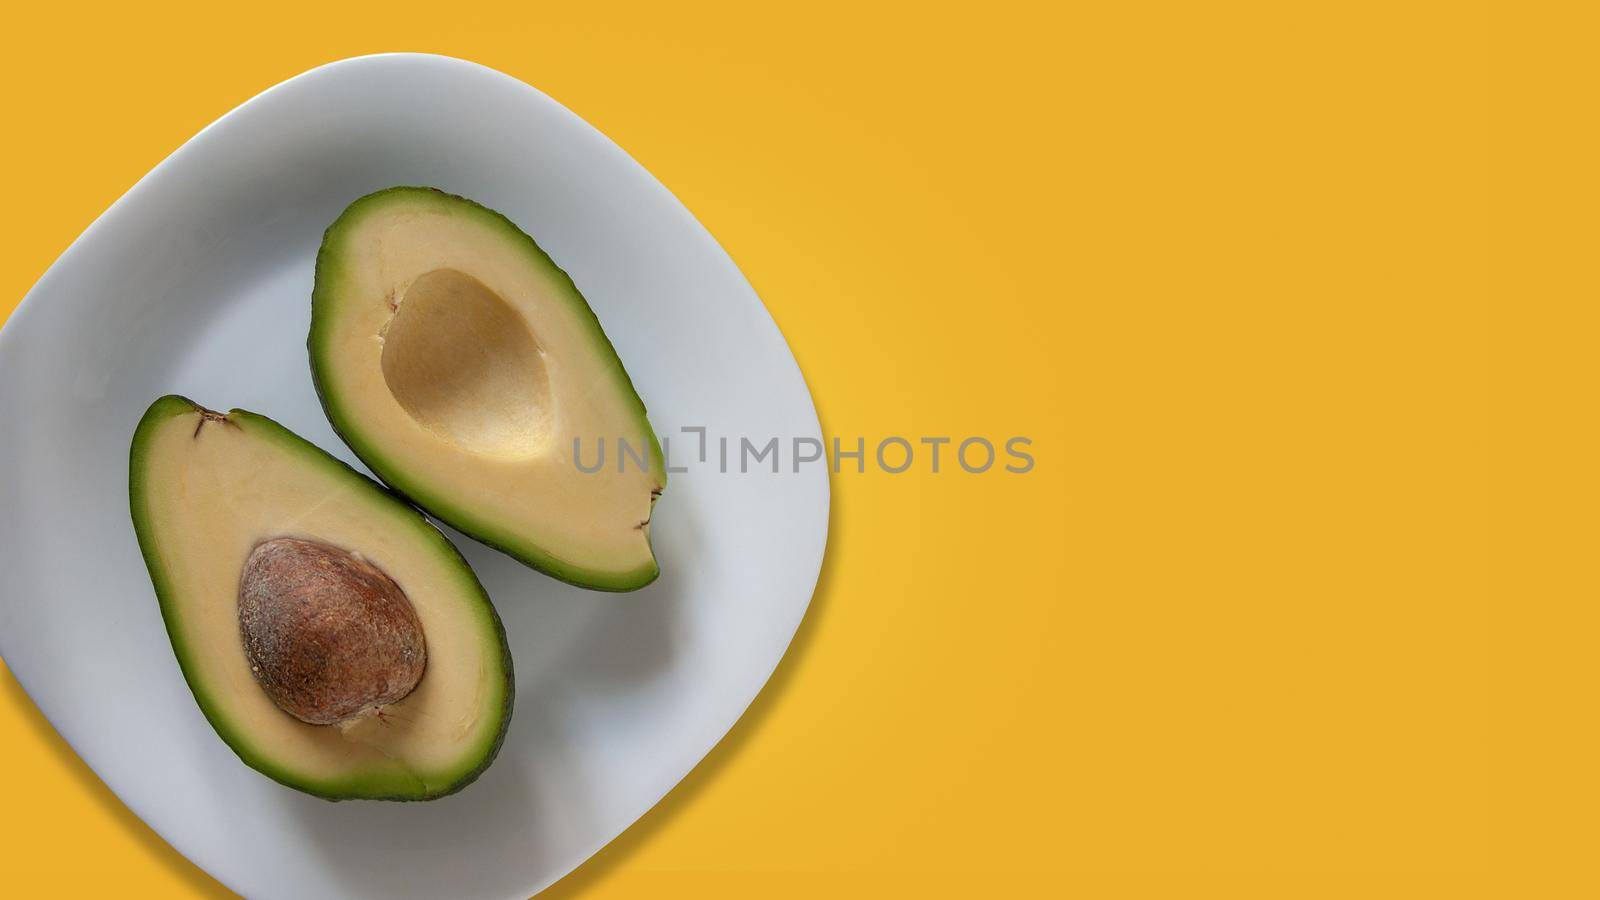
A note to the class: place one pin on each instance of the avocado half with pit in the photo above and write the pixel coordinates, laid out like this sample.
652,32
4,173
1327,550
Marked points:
465,369
333,637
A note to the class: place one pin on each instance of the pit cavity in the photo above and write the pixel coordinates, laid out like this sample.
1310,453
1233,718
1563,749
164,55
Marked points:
464,365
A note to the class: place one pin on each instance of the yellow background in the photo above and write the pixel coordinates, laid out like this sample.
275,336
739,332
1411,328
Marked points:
1226,264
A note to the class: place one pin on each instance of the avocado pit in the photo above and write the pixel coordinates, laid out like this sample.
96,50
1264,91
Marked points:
329,636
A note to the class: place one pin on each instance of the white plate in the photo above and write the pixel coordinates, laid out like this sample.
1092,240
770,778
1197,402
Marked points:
198,281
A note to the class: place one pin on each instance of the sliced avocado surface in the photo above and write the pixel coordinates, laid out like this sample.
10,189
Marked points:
466,370
207,490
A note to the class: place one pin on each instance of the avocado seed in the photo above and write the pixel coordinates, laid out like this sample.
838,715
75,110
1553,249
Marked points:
328,635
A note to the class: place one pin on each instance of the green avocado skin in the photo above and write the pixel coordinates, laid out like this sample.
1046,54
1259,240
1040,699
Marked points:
380,786
324,303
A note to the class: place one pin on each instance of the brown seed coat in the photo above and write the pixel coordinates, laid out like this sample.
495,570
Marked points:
328,635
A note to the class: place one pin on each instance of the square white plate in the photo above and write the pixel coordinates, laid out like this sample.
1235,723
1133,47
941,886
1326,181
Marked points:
198,282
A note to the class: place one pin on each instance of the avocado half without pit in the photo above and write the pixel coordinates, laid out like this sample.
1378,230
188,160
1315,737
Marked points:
466,370
333,637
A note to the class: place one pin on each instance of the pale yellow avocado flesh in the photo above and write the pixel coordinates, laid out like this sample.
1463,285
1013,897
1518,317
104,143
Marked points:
206,490
465,369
